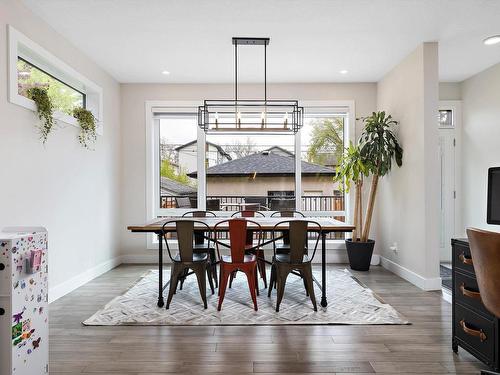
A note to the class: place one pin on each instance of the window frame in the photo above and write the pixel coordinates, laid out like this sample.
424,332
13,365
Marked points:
153,159
20,46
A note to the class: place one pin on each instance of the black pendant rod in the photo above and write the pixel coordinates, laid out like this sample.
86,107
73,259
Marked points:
236,72
265,72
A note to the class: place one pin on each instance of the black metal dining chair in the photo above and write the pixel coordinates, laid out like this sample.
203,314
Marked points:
186,258
297,261
203,246
284,246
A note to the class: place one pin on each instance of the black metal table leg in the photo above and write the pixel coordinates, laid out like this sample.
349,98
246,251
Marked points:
160,271
324,303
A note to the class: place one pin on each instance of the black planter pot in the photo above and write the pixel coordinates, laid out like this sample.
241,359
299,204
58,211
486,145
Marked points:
360,254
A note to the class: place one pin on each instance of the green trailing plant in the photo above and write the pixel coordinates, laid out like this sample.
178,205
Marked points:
87,123
378,147
44,110
351,169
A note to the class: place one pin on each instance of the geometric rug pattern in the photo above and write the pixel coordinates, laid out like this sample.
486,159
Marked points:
349,302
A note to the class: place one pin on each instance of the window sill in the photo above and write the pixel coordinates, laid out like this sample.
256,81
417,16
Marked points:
60,117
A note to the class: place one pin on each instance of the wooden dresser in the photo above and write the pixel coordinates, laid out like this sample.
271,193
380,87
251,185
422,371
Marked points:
474,328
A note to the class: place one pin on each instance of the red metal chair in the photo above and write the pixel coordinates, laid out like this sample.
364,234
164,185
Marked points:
259,253
239,258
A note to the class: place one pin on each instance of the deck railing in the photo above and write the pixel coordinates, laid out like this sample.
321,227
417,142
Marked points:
309,202
320,205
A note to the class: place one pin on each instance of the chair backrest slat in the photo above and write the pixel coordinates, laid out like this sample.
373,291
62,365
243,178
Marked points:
238,239
248,213
298,240
185,235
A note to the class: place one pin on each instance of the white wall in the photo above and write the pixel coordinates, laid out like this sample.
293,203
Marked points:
450,91
480,143
133,133
407,204
73,192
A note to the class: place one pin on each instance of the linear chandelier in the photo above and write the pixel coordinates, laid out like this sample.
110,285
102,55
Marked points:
249,115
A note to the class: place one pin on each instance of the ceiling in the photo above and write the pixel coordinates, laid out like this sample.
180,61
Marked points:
311,40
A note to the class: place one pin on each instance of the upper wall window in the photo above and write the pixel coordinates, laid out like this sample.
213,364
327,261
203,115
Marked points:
30,65
64,97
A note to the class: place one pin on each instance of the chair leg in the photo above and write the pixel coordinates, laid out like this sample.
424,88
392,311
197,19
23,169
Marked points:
307,273
224,276
232,277
256,280
251,277
213,265
305,283
282,274
209,270
183,277
199,270
272,280
176,270
262,266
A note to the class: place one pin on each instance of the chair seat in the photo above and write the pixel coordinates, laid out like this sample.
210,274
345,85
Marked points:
197,257
248,258
285,258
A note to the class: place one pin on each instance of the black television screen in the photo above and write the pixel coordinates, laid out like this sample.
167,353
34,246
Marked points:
493,214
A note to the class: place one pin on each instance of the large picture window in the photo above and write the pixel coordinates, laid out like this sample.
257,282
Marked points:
230,172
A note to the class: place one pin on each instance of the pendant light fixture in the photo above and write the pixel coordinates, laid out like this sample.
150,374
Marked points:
250,115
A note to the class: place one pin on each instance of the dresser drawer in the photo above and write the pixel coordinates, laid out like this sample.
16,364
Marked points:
467,293
475,333
462,259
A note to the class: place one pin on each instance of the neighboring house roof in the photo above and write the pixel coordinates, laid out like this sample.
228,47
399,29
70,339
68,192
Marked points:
280,151
219,148
265,163
171,187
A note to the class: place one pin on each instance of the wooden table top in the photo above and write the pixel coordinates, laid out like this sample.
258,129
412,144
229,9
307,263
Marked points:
267,223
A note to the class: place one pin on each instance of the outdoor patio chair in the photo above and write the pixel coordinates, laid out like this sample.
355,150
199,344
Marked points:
282,204
186,258
183,202
297,261
260,201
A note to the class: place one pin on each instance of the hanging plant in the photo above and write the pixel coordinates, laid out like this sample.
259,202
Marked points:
44,110
87,123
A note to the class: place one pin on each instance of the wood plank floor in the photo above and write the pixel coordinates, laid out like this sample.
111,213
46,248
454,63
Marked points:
421,348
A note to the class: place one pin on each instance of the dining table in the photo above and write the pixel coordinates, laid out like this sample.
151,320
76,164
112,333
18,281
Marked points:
267,224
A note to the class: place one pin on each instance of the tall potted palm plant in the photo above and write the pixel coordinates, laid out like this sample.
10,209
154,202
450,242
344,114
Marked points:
374,155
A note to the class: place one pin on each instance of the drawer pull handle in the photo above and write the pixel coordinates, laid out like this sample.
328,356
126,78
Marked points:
465,260
473,332
469,293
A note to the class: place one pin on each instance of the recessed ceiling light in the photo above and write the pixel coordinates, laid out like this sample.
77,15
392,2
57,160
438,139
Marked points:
165,72
344,71
492,40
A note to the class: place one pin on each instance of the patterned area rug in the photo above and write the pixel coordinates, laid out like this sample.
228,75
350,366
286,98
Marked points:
349,302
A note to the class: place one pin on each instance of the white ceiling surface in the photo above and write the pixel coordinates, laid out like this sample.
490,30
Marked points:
311,40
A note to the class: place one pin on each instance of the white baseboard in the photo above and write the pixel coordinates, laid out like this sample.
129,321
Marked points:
423,283
446,295
77,281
